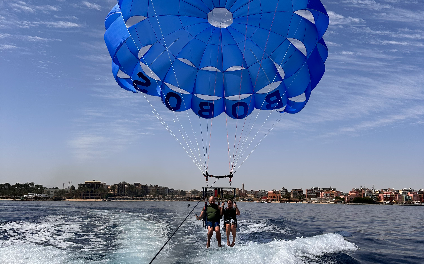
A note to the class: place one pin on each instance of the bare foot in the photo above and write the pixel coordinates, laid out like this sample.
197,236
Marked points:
219,245
232,244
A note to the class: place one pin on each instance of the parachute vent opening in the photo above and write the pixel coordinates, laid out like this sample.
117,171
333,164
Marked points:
298,44
134,20
123,75
306,14
238,97
281,110
298,99
280,70
220,18
270,87
149,72
189,63
208,97
143,51
210,68
235,68
176,89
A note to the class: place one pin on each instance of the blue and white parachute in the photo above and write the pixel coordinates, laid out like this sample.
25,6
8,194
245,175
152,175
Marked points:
215,56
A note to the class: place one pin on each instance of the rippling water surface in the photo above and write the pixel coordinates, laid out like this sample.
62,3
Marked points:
133,232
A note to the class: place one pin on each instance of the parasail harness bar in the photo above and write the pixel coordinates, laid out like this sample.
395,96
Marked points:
207,175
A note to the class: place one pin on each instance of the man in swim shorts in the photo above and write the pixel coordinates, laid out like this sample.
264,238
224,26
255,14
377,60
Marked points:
213,214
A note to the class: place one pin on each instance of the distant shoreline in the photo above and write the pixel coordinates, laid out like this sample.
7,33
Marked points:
101,200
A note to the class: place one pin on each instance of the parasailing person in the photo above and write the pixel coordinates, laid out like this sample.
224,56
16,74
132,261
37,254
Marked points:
213,214
230,221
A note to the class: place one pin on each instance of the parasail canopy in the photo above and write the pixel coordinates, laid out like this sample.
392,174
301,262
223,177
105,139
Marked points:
219,56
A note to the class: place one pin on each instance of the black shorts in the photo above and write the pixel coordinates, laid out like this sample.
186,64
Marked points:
230,221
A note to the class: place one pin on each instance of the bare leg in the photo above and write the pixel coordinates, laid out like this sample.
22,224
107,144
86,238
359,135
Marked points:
210,232
218,235
233,231
227,231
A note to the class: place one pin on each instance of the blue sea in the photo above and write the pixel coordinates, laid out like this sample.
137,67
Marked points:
133,232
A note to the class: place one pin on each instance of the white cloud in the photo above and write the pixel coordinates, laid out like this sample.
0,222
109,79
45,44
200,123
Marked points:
392,42
412,113
337,19
50,24
88,146
402,33
66,17
390,11
97,58
369,4
415,17
60,24
21,6
4,35
92,5
25,38
50,8
102,132
7,47
37,39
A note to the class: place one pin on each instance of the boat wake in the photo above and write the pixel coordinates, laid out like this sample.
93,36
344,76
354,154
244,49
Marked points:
299,250
115,236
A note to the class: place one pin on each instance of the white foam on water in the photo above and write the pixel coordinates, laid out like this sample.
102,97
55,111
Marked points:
140,239
299,250
47,241
43,242
53,230
249,227
31,253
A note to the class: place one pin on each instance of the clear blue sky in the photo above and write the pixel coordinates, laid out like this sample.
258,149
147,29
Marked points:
64,119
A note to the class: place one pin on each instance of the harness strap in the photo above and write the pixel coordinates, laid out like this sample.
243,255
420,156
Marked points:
205,215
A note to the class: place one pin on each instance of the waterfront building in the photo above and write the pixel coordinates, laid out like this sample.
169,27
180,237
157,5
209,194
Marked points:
284,192
413,197
322,195
261,194
250,195
50,192
313,193
92,189
296,194
352,195
274,196
142,189
386,196
390,196
361,192
329,195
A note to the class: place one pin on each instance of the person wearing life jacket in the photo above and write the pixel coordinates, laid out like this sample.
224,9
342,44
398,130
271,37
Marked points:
230,221
213,214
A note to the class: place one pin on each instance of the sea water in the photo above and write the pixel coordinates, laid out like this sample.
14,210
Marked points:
133,232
